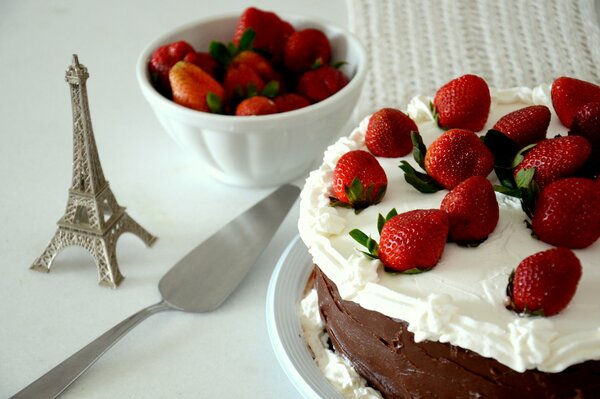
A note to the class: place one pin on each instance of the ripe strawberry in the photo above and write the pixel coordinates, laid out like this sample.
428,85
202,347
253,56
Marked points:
318,84
473,210
567,213
163,60
358,180
586,123
457,155
555,158
305,49
241,81
257,105
290,101
194,88
204,61
544,283
570,94
413,240
526,125
388,133
271,32
463,103
263,68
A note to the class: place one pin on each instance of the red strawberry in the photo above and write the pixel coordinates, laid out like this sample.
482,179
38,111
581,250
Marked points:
163,60
257,62
305,49
586,123
567,213
388,133
358,180
271,32
526,125
545,282
570,94
413,240
257,105
194,88
473,210
463,103
204,61
318,84
290,101
457,155
555,158
241,81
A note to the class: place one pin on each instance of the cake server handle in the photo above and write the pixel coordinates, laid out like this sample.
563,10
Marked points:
55,381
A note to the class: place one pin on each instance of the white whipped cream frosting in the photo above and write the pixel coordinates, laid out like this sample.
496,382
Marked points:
460,301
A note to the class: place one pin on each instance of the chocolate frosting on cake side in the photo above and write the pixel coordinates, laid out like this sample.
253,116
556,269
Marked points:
384,352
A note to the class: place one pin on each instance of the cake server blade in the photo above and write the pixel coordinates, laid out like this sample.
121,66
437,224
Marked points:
199,282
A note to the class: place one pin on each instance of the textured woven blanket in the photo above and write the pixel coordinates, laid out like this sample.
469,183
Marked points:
415,46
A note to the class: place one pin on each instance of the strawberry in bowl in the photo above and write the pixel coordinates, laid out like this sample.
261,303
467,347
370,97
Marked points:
252,150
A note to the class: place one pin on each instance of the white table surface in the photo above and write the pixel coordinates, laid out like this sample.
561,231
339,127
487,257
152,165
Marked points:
46,317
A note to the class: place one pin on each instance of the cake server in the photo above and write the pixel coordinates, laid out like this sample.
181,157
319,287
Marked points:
198,283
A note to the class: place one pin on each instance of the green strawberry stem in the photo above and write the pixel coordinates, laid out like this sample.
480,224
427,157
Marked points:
271,89
224,54
367,242
215,105
421,181
419,149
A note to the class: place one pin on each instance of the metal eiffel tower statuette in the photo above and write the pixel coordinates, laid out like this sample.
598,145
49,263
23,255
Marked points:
93,218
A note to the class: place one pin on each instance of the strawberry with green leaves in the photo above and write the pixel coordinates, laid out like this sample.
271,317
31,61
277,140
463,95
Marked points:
271,32
318,84
452,158
257,105
410,242
569,95
306,49
525,126
473,211
554,158
463,103
358,180
388,133
194,88
567,213
544,283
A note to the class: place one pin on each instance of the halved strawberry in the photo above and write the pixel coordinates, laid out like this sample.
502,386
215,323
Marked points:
567,213
194,88
306,49
358,180
388,133
473,211
544,283
555,158
463,103
569,95
411,242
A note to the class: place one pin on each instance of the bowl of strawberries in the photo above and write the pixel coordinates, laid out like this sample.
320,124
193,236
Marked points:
257,96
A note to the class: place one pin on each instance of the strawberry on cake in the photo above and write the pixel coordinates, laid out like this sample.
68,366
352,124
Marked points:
471,267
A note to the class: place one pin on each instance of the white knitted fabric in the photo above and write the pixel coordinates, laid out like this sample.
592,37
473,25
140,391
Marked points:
415,46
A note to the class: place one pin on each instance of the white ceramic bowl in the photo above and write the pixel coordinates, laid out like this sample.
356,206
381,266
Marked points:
261,150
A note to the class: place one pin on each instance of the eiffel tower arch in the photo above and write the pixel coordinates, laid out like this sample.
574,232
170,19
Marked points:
93,218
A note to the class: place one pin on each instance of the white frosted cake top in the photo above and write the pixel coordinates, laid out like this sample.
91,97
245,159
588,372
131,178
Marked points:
461,300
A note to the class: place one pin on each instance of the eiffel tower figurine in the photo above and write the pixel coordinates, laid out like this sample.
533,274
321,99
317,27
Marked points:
93,218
